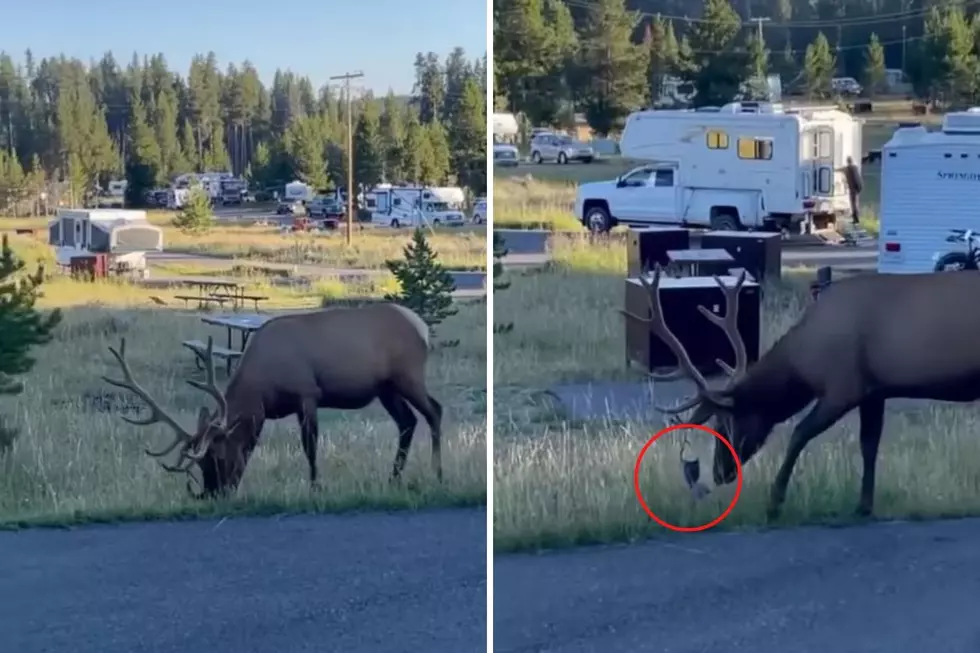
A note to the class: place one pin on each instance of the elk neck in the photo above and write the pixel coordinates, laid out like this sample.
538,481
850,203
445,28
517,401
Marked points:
773,386
246,407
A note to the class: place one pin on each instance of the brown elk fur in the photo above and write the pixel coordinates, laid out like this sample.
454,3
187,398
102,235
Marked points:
867,339
342,358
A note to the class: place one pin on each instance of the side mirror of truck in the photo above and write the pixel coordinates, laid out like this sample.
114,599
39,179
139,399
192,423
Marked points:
620,182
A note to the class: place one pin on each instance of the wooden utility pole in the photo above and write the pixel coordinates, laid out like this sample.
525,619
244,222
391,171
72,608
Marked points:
350,152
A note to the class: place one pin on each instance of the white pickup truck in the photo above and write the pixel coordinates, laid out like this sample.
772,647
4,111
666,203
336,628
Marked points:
742,167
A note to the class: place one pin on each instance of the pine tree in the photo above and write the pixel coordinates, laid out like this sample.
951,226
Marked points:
425,286
719,67
23,327
874,67
469,138
368,154
615,67
818,67
436,165
499,283
758,68
196,214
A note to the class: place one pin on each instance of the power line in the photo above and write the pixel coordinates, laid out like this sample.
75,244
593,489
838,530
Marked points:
350,152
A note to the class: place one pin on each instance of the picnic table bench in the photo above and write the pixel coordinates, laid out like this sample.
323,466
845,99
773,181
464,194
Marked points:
199,348
202,302
239,299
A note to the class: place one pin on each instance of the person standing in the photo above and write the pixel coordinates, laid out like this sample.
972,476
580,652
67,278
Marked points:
854,187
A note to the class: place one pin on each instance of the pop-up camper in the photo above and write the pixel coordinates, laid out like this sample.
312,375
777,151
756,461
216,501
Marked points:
123,234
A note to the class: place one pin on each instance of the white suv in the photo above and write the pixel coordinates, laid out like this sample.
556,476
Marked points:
557,147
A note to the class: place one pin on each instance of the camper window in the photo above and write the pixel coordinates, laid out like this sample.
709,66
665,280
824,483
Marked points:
717,140
755,148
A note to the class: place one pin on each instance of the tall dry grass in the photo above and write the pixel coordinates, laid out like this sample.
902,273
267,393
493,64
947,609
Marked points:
559,482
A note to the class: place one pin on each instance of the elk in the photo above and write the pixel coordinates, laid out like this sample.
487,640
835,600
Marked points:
342,358
867,339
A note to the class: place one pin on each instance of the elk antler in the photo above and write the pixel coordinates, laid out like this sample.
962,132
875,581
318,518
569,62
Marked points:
685,366
194,445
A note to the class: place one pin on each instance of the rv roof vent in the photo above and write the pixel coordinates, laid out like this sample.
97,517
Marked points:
962,122
905,125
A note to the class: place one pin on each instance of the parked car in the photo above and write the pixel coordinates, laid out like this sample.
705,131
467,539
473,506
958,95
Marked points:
480,211
290,207
325,207
846,86
505,155
559,148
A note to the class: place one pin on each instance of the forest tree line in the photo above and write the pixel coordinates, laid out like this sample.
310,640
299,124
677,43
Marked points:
62,120
606,58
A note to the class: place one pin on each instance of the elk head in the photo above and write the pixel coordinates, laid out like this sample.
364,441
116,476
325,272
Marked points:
745,428
210,447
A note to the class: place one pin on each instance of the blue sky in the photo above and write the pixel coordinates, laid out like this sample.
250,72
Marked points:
318,39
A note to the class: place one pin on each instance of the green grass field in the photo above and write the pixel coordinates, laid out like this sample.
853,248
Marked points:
562,483
76,460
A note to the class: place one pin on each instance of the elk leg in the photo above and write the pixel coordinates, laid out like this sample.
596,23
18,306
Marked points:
818,420
401,412
431,411
872,412
310,432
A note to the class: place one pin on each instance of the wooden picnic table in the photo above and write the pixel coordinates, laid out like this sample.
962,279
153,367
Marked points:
215,291
244,323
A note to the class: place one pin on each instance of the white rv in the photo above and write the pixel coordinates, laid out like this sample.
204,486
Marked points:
930,184
415,206
749,165
298,191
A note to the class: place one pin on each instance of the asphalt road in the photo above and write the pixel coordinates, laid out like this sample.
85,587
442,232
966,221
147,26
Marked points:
895,588
368,583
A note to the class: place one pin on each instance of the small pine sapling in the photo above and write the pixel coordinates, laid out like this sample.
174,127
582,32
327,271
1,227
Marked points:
499,283
425,286
196,215
23,327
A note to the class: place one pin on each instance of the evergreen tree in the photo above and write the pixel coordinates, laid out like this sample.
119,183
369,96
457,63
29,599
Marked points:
196,214
143,166
655,39
425,286
818,67
415,149
874,67
392,128
435,163
469,138
758,68
615,67
499,283
22,325
718,66
368,154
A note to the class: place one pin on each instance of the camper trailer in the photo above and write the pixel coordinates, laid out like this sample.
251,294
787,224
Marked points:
297,191
929,186
748,165
123,234
413,206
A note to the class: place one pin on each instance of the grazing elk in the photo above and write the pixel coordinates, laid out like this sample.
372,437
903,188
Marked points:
294,364
867,339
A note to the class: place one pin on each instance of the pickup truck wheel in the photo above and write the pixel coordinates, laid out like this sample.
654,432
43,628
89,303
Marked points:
597,220
395,224
562,158
536,157
725,222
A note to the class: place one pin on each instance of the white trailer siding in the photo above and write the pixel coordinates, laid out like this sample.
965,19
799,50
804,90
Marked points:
930,184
